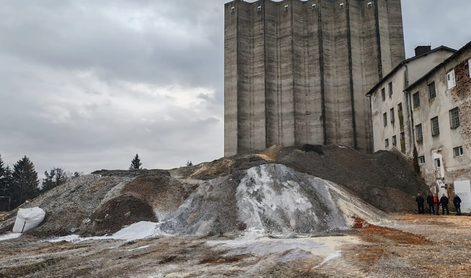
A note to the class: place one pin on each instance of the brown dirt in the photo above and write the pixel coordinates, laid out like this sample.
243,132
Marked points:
118,212
160,190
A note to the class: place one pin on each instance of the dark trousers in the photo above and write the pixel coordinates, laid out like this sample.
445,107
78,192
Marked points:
431,208
445,206
458,209
437,208
421,208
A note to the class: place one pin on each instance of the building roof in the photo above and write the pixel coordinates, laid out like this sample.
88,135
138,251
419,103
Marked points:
372,90
432,71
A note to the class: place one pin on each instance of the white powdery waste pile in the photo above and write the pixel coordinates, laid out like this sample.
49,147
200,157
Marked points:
270,199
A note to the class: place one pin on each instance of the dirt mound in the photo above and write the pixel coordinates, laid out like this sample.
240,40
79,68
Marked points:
386,179
267,200
279,191
164,193
118,212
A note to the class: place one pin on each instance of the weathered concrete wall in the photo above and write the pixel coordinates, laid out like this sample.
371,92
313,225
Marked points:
299,74
442,145
405,75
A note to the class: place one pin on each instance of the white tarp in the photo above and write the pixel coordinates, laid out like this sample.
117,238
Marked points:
28,218
463,189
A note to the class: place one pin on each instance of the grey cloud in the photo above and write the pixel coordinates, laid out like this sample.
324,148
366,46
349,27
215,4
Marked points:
59,118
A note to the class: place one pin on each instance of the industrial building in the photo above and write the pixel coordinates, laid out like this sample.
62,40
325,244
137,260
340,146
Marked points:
297,72
436,118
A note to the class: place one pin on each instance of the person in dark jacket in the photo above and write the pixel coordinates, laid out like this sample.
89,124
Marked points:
431,205
420,203
436,202
457,204
444,202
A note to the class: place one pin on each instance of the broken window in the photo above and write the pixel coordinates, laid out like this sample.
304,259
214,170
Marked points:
454,118
435,127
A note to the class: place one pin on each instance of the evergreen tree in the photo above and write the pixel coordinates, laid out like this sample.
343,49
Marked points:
54,178
77,174
135,163
5,178
25,181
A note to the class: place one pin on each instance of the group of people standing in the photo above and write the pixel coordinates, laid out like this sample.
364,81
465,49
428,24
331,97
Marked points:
434,204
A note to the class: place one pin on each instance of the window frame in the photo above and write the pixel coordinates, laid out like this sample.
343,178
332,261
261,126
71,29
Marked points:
419,133
421,160
386,143
435,124
385,119
451,79
430,86
392,116
416,100
390,89
458,150
394,141
383,94
454,123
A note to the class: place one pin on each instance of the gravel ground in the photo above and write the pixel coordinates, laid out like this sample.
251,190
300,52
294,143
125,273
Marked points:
408,246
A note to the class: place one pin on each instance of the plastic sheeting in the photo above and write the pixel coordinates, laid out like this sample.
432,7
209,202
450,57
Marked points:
28,218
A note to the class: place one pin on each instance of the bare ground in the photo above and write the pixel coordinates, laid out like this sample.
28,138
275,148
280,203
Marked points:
410,246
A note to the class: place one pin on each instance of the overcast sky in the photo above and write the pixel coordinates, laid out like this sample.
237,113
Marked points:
86,84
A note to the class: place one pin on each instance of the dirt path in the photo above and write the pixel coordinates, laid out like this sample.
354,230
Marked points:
411,246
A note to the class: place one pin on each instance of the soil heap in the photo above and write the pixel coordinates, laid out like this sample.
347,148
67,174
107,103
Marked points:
280,191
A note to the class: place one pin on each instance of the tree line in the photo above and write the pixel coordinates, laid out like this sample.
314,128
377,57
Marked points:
21,182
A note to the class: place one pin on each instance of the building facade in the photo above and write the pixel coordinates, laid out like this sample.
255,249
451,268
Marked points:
296,72
437,122
391,118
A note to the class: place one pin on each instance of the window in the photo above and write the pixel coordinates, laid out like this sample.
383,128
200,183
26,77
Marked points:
435,128
416,99
421,160
450,77
393,118
385,119
458,151
400,115
394,140
386,143
454,118
469,67
403,143
390,89
431,90
383,94
420,136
